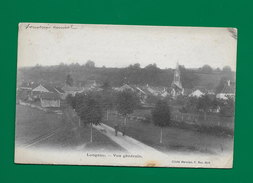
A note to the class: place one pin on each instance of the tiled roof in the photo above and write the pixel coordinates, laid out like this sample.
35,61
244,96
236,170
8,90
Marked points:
145,90
67,88
31,85
50,88
196,93
228,89
59,89
132,86
200,88
157,89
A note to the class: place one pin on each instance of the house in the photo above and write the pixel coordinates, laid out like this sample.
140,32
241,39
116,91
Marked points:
91,84
145,91
50,100
142,92
80,83
175,91
165,94
60,92
48,95
72,90
196,93
127,87
210,92
157,91
28,85
36,92
43,88
228,90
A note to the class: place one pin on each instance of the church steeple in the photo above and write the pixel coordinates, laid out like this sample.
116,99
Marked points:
176,85
176,79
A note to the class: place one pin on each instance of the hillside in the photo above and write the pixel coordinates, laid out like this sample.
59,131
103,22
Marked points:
150,75
206,79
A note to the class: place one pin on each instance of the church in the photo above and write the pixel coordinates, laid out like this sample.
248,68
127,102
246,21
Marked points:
176,88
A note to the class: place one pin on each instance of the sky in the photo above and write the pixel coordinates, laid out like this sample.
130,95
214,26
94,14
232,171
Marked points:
120,46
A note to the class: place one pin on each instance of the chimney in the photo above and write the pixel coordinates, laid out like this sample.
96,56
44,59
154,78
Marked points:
228,82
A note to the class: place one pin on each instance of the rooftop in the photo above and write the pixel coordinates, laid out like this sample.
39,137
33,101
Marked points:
50,96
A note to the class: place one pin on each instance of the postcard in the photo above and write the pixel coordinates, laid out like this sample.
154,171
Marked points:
121,95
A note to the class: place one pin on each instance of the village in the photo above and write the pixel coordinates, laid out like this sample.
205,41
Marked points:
198,110
51,96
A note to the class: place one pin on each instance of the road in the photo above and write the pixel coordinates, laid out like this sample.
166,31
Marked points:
131,145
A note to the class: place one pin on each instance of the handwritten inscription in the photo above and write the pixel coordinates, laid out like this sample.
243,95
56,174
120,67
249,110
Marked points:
47,27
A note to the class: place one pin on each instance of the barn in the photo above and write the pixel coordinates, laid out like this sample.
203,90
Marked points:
50,100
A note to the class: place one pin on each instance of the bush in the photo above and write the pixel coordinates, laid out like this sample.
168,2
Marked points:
147,119
183,110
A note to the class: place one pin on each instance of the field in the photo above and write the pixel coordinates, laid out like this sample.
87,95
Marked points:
212,120
33,126
177,137
213,78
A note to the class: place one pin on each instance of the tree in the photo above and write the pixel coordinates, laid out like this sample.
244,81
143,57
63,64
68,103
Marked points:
181,100
226,69
107,102
126,102
161,116
152,100
192,104
70,100
151,66
182,68
106,86
88,109
218,70
69,80
90,64
228,107
136,66
130,66
205,104
207,69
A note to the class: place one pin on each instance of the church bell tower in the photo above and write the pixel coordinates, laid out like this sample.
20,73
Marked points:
176,85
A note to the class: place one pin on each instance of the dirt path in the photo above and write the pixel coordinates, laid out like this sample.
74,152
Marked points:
131,145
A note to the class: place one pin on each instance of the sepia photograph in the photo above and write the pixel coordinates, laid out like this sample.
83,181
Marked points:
123,95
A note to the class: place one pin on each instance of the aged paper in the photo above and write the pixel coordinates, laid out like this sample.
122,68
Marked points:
119,95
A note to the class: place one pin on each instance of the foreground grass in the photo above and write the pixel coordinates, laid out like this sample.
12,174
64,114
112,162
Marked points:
175,138
79,139
33,123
